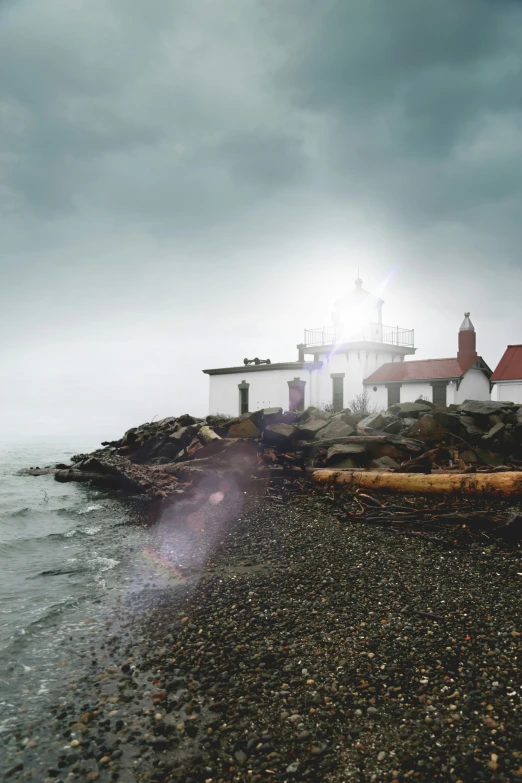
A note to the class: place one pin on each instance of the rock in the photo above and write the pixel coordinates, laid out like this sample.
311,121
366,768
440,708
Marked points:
483,407
394,426
280,435
470,456
490,457
311,427
383,462
494,431
194,446
411,409
335,428
428,429
347,464
309,413
244,429
185,420
427,403
240,756
352,419
339,451
206,435
130,437
471,426
375,421
271,416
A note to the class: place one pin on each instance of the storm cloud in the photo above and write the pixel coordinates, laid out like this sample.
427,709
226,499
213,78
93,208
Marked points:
186,183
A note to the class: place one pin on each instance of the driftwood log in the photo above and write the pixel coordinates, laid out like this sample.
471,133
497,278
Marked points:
508,484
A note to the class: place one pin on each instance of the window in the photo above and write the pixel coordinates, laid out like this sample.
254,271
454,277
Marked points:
394,394
337,392
439,393
243,397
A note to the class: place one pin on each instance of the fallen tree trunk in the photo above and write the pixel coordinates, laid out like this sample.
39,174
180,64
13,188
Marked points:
507,484
99,479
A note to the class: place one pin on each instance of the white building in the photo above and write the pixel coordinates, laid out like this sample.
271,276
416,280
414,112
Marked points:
508,375
341,356
443,381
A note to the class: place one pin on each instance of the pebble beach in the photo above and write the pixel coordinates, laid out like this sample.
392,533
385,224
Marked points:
296,645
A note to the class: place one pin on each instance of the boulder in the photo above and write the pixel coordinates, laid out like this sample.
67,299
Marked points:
206,435
393,426
347,464
181,437
471,426
410,409
335,428
428,429
218,421
471,456
194,447
425,402
311,427
352,419
498,427
380,450
491,458
244,429
162,424
383,462
375,421
309,413
271,414
130,437
483,407
185,420
340,451
280,435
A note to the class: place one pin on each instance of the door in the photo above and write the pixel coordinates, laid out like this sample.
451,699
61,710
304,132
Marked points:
439,393
394,394
337,394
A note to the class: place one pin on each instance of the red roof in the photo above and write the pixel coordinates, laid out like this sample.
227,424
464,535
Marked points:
509,367
419,370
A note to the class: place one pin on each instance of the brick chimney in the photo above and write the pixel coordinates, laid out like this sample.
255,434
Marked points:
467,342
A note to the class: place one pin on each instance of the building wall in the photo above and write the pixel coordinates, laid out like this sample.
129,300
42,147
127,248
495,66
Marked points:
509,391
356,365
409,393
267,389
474,386
379,398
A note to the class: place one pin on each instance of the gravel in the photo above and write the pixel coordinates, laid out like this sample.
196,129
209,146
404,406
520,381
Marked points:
304,648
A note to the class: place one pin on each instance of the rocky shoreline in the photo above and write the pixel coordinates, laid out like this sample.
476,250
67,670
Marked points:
311,634
304,646
173,458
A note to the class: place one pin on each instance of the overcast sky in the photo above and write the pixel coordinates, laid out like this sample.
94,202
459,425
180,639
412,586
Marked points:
184,183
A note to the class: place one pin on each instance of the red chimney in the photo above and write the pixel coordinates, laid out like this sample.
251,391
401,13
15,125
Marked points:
467,342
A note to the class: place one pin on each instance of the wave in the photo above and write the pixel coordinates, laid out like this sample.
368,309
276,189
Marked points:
89,509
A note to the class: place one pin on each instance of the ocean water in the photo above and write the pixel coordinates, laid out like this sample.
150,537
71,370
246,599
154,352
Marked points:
69,556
